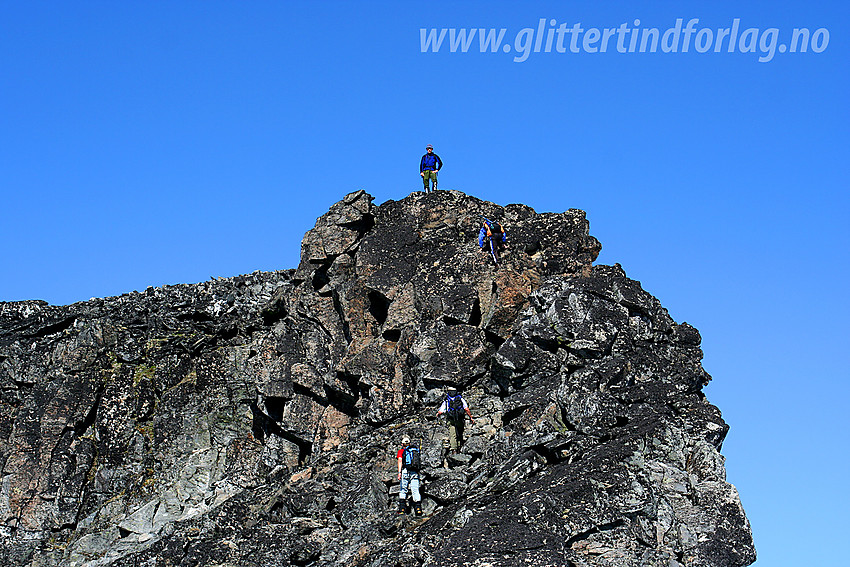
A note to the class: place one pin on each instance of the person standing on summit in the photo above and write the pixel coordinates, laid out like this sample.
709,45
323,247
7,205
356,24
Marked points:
429,166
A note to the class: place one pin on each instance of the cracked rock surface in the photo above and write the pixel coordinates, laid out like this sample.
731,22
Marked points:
254,420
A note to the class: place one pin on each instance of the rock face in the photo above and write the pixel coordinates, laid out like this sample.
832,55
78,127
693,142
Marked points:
254,420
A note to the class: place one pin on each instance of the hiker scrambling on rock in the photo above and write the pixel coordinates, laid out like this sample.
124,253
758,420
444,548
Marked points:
494,235
456,410
409,463
429,166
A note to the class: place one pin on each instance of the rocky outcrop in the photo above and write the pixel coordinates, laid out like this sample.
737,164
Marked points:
254,420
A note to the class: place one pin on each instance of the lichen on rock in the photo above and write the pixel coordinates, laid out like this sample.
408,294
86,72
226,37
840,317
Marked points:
254,420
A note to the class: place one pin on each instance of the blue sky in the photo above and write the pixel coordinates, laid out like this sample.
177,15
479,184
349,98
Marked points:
152,143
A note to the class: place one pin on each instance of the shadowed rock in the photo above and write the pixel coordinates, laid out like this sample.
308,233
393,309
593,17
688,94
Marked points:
254,420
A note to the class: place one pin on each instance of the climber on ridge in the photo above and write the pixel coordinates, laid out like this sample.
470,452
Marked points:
456,410
494,235
409,463
429,166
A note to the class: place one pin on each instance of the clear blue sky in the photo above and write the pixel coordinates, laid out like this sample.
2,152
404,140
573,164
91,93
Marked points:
151,143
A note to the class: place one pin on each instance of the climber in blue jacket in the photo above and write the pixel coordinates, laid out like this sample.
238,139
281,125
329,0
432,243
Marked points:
494,234
429,166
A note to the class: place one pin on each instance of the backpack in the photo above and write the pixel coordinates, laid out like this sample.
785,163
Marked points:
411,459
454,408
493,228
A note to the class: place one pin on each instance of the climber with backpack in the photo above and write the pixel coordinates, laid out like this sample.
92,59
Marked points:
456,410
409,465
494,235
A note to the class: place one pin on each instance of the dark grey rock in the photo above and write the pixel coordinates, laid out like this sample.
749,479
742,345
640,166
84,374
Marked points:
255,420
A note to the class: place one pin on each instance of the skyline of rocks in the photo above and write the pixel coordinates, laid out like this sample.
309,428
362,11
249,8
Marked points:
254,420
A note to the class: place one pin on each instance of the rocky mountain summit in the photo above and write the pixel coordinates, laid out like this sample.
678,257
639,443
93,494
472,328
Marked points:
254,420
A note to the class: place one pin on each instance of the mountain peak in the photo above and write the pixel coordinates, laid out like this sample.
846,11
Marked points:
256,419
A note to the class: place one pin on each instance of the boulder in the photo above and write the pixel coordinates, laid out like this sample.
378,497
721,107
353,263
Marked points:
255,419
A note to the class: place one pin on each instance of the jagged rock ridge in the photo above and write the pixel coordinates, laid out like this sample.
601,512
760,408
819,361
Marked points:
254,420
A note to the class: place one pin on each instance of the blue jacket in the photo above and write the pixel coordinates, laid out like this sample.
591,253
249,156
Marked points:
482,234
431,162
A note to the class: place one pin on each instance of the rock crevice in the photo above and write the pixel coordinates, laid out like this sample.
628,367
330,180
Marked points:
255,419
